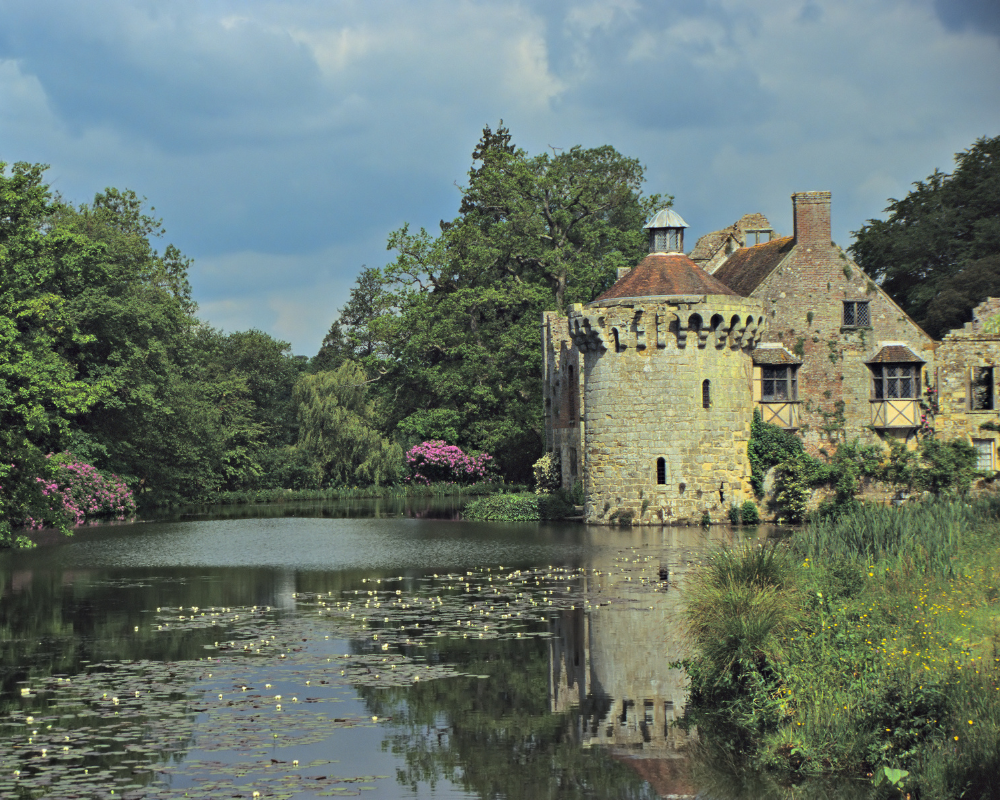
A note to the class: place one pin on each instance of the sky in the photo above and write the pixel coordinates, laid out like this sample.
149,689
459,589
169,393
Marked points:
281,141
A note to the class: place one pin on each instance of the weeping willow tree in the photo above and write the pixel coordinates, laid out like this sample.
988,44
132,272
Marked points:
336,430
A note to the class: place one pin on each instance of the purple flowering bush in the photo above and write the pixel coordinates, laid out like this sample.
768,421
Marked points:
76,491
436,461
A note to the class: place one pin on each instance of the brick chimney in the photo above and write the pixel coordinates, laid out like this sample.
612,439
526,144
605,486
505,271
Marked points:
811,215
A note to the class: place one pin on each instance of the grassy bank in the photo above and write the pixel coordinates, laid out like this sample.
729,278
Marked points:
354,493
868,645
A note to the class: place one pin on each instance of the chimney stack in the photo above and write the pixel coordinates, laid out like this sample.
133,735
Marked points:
811,216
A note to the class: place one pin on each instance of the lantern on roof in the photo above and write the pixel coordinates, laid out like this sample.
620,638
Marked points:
666,232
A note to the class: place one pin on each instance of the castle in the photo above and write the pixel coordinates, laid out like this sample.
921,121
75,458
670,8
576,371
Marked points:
650,389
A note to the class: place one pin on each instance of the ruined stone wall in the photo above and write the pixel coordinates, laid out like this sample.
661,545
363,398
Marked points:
804,305
645,365
563,396
959,354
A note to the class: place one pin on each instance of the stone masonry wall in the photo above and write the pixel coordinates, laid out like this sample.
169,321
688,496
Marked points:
803,302
644,401
563,396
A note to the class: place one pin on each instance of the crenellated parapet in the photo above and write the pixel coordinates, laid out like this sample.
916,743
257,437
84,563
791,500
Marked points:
668,323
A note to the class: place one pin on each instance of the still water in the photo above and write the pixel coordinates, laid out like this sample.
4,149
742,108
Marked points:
364,648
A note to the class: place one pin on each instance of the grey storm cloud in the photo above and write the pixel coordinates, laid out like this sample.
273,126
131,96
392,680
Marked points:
282,140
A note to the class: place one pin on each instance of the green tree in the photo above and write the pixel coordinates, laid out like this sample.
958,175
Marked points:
937,252
453,321
337,429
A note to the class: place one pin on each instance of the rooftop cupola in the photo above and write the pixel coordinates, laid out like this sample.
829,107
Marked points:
666,232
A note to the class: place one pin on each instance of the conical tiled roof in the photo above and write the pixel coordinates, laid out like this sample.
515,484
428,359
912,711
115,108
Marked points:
663,275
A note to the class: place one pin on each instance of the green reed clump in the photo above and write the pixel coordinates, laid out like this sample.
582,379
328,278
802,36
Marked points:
930,534
739,611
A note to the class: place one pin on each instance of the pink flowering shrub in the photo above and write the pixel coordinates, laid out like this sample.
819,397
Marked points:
437,461
77,491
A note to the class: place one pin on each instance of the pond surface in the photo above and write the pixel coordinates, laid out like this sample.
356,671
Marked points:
384,654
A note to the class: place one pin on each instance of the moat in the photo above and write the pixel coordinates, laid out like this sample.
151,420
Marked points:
389,653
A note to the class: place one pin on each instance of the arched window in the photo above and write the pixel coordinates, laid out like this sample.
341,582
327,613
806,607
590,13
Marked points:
706,394
661,471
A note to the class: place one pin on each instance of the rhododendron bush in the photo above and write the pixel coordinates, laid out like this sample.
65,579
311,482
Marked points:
77,491
437,461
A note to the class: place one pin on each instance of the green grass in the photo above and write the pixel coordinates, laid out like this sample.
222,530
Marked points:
866,643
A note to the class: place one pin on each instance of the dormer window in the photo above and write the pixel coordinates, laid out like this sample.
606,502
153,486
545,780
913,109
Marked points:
666,232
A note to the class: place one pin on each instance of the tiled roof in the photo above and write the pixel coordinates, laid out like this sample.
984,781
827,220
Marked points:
896,353
660,274
774,355
747,268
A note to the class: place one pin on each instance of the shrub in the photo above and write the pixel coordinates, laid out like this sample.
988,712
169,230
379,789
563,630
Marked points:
769,445
437,460
548,473
745,514
793,485
518,507
75,491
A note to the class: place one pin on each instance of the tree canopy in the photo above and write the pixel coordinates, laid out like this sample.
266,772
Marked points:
452,325
938,251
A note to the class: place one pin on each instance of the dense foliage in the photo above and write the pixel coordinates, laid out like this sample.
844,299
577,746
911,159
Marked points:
938,252
101,355
452,324
864,647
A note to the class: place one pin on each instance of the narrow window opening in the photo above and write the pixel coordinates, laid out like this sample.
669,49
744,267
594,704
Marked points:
981,386
706,394
661,471
722,494
647,711
572,395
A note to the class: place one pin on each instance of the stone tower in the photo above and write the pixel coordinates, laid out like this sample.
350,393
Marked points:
666,375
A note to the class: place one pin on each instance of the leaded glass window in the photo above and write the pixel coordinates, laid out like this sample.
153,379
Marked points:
779,384
895,381
856,314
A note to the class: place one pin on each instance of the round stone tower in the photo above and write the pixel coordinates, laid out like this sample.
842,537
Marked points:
667,378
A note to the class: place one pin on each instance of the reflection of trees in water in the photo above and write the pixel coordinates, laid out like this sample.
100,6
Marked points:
496,736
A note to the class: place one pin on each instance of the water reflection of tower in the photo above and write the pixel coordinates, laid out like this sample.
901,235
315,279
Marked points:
613,661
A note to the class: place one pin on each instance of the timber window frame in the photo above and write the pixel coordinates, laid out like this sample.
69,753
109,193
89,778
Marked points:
895,381
985,450
779,384
857,314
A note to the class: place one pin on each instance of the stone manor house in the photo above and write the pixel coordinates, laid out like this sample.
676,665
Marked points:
650,389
